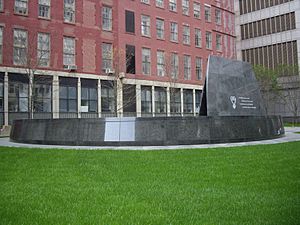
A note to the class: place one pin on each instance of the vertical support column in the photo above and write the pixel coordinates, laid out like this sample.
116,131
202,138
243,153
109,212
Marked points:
153,100
168,102
181,100
78,98
30,95
6,99
194,102
138,100
99,98
119,98
55,97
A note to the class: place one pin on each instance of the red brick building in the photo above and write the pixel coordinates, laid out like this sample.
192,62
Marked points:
88,58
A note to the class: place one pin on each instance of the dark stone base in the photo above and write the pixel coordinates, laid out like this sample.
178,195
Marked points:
147,131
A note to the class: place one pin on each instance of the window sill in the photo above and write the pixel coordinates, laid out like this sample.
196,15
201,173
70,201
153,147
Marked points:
44,18
20,14
160,7
173,11
160,39
175,42
146,36
129,33
110,31
70,23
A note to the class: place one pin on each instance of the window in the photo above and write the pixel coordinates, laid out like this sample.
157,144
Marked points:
173,5
160,63
107,56
67,98
146,100
107,96
89,95
160,3
174,65
174,32
69,11
198,39
219,42
1,98
146,61
198,100
43,49
187,67
145,25
130,59
175,101
198,68
106,18
160,28
197,11
20,47
188,101
160,97
69,51
42,93
207,11
145,1
129,22
1,44
44,8
186,35
17,94
218,16
1,5
21,7
208,38
185,7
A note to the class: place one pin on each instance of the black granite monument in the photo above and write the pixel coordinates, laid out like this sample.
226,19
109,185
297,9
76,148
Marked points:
231,111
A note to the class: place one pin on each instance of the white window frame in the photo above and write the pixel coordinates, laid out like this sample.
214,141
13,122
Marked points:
160,63
146,61
43,49
20,45
69,50
208,40
44,9
160,3
1,5
197,10
69,11
1,44
160,28
185,7
107,18
174,32
186,35
207,13
219,42
198,38
174,65
198,64
218,16
21,7
173,5
145,25
107,56
187,67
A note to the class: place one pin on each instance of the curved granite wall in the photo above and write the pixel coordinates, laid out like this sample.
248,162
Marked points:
147,131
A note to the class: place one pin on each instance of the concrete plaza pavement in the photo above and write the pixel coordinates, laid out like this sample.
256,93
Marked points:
291,134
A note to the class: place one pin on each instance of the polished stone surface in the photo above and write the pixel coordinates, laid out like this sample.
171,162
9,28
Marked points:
147,131
231,89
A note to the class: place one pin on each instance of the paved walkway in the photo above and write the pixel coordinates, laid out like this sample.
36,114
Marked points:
290,136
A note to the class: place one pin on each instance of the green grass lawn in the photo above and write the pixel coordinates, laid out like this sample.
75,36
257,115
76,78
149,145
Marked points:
242,185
